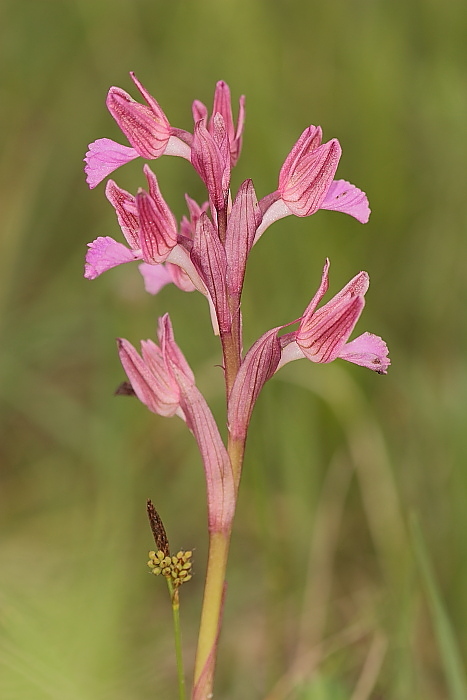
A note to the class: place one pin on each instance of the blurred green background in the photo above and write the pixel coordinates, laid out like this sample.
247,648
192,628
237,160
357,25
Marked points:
348,576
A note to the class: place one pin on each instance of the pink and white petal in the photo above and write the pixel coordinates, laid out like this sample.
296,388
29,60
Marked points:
155,277
105,156
289,353
177,147
345,197
104,253
277,210
367,350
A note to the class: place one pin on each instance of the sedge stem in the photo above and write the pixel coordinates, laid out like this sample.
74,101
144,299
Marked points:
174,596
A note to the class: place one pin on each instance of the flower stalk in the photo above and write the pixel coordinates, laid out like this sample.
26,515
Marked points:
208,252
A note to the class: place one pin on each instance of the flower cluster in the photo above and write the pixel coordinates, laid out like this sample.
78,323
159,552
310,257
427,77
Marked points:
176,568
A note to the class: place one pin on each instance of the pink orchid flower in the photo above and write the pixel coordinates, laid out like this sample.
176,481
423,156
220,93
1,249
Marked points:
150,230
306,183
322,336
162,379
323,333
146,128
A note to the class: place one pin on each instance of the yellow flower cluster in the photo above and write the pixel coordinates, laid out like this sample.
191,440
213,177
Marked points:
176,568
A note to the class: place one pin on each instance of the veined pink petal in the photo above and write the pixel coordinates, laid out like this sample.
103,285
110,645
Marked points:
155,277
200,113
125,207
105,156
173,356
145,126
327,333
223,105
236,147
258,366
158,228
153,385
309,141
104,253
367,350
306,186
209,163
322,333
344,197
243,222
208,255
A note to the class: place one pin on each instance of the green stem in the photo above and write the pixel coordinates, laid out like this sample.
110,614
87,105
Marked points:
212,610
174,596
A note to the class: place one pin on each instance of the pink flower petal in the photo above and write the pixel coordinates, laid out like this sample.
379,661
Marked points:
125,207
152,384
310,178
155,277
145,126
344,197
309,141
367,350
104,253
105,156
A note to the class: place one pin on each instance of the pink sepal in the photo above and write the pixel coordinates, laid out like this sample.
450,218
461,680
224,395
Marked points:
105,156
209,163
304,185
243,222
104,253
309,141
223,105
323,333
149,377
259,364
158,227
208,255
344,197
369,351
145,126
125,207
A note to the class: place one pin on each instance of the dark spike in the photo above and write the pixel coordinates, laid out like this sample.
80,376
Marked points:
124,389
158,529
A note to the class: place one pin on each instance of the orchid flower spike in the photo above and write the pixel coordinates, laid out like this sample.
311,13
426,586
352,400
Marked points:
306,183
146,128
